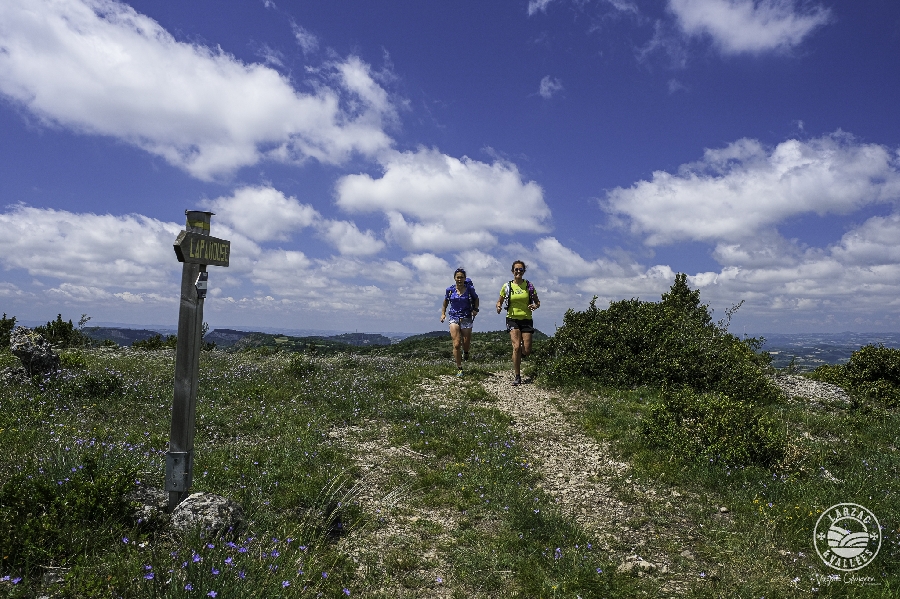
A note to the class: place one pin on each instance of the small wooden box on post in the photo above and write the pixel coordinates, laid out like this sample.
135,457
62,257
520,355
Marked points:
196,249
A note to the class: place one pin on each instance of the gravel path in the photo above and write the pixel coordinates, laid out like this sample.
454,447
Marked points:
816,393
403,529
641,527
645,529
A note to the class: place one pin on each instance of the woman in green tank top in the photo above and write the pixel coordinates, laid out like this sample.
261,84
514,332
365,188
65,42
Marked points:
521,300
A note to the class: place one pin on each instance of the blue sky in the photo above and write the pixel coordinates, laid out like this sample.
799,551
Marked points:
357,152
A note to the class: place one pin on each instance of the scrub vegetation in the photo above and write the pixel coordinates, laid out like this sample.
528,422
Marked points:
372,472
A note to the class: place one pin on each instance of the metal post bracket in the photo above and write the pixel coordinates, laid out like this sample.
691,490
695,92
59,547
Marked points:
179,470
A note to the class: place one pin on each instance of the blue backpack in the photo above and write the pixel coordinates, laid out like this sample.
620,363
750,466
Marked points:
470,289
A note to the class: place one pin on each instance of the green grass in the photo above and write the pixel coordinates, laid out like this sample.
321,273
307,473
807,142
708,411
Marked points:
467,493
265,421
763,547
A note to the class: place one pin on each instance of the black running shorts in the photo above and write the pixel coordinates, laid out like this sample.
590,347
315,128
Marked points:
526,325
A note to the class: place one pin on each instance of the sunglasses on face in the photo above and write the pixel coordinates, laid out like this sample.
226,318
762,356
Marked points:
518,270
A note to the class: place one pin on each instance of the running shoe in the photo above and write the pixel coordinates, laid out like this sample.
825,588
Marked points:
459,372
517,381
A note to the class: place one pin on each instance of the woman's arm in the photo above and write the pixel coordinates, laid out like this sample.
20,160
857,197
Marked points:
536,302
444,309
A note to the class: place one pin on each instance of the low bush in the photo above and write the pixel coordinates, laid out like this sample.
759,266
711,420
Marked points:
6,327
871,376
73,359
671,343
713,427
63,334
301,366
57,513
156,342
102,384
99,385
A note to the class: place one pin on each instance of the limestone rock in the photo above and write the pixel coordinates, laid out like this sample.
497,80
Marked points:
814,392
215,514
14,375
635,565
34,351
150,506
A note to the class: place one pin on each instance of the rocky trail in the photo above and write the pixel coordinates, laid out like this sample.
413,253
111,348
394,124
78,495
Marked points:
636,524
645,530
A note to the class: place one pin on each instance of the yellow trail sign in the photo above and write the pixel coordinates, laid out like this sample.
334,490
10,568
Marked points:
194,248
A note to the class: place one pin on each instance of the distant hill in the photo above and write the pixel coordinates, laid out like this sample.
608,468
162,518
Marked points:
361,339
123,337
808,350
225,337
430,335
230,338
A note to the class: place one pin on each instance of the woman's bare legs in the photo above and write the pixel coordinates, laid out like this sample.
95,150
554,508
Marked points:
521,344
457,337
466,340
515,336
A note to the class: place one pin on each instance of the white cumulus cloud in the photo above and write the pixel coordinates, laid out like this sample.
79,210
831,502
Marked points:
564,262
434,236
436,202
433,271
735,192
476,262
874,243
262,213
749,26
124,251
349,240
100,67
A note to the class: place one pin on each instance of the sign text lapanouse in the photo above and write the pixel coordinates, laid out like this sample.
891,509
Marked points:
202,249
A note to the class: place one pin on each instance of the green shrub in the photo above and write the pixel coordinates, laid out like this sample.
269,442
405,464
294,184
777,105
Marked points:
871,375
261,351
830,373
96,385
668,343
302,367
63,334
73,359
157,342
6,327
712,426
102,384
53,518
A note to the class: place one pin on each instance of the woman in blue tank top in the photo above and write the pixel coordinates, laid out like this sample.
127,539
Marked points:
463,303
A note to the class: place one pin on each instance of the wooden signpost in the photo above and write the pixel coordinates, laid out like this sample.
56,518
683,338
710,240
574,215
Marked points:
196,249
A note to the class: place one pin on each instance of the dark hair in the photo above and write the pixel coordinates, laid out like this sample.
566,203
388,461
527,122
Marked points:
462,270
513,267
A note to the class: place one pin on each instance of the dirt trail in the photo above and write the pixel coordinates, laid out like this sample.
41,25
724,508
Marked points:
401,554
638,525
644,530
